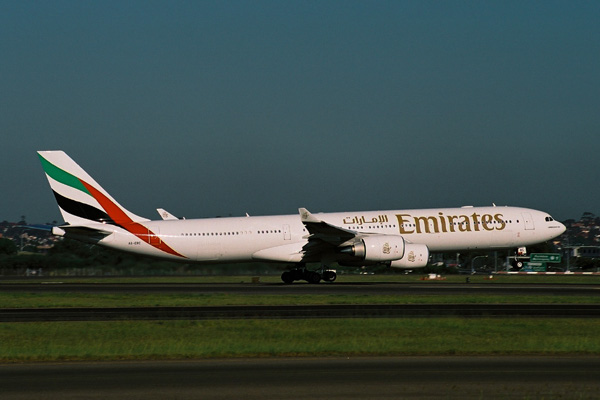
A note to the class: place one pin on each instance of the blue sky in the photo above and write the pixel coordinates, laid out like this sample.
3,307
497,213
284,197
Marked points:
227,107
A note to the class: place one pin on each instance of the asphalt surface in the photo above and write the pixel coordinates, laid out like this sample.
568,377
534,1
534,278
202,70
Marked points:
437,288
353,378
300,311
299,378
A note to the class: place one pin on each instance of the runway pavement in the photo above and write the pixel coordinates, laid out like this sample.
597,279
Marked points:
300,378
328,378
300,311
308,289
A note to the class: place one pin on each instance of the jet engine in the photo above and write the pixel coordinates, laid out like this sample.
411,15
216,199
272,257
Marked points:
377,248
415,256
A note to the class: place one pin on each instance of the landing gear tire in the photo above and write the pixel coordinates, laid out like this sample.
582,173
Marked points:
287,277
298,274
329,276
302,274
313,277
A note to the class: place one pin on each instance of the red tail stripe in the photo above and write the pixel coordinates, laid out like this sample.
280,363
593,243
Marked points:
122,219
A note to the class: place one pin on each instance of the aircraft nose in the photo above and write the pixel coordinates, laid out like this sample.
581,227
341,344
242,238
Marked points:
562,228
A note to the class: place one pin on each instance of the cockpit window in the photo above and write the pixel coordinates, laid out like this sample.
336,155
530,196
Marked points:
549,219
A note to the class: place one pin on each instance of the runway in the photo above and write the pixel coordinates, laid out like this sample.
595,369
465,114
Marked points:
356,288
300,312
328,378
315,378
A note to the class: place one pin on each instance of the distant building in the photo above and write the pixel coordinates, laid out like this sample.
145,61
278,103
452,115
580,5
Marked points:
584,251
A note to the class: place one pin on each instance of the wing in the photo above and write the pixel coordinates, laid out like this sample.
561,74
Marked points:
324,239
321,231
322,243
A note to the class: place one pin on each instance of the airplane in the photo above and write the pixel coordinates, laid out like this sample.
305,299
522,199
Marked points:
396,238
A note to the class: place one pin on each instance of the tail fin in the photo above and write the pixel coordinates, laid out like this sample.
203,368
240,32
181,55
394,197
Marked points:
80,198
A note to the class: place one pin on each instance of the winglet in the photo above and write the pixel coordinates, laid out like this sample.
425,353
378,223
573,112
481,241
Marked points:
321,230
306,216
165,215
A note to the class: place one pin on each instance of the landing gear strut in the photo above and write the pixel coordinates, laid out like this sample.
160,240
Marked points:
302,274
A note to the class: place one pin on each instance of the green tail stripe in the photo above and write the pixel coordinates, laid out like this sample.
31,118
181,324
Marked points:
62,176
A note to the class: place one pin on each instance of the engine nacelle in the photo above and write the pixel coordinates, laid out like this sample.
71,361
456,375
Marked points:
415,256
377,248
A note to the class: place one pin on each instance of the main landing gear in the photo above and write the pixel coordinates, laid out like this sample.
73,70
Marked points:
302,274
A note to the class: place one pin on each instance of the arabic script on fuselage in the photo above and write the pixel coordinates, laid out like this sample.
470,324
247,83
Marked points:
362,220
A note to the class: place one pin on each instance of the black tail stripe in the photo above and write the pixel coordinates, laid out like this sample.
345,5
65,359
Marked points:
82,210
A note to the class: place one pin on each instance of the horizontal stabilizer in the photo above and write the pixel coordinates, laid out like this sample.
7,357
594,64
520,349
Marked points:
81,232
39,227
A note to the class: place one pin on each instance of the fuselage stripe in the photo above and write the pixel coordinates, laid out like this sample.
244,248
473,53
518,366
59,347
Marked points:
123,220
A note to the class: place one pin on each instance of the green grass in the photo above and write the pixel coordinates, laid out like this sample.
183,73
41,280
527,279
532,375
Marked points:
139,340
135,340
76,299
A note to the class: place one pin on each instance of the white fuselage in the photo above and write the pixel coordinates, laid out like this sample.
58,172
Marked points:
281,238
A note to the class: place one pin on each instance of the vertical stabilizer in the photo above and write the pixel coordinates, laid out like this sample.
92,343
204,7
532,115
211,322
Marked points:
80,198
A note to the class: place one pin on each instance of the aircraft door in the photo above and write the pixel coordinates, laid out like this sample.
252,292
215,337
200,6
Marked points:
154,237
287,234
528,220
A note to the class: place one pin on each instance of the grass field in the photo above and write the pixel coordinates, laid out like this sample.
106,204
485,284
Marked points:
138,340
135,340
76,299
